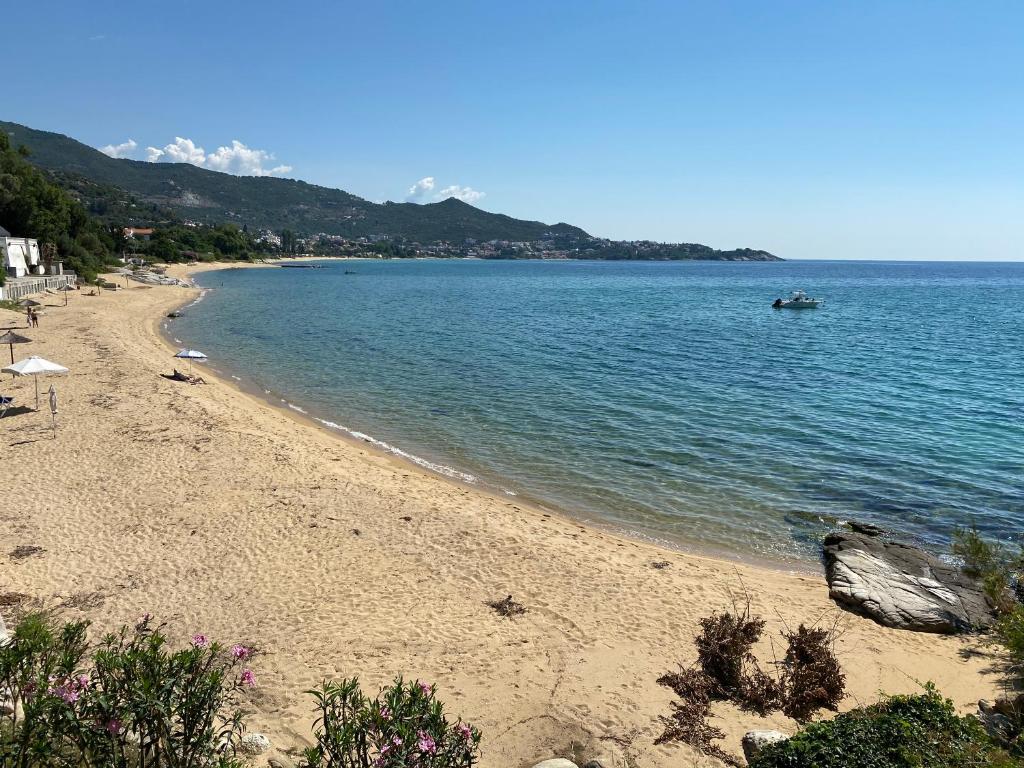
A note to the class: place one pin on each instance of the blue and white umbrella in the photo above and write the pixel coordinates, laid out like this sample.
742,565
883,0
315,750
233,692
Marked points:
190,355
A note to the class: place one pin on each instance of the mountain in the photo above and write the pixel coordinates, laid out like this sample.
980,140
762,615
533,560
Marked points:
262,202
134,192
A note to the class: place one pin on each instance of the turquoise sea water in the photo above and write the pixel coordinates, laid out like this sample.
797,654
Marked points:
665,399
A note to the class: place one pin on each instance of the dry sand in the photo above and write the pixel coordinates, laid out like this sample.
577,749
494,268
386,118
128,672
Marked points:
224,515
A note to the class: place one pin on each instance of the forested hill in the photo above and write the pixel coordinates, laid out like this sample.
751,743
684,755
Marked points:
120,192
264,202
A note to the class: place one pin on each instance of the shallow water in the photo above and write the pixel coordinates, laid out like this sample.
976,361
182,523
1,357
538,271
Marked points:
665,399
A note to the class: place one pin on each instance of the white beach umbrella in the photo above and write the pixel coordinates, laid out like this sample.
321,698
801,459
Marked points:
190,355
35,367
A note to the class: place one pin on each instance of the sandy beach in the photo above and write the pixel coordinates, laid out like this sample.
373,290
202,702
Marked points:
221,514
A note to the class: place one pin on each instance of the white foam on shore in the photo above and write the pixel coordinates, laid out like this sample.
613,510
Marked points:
200,297
440,469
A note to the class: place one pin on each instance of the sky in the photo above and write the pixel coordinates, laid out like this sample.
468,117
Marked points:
827,129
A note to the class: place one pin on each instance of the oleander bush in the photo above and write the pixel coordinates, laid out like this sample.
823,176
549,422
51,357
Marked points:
921,731
404,727
131,701
127,701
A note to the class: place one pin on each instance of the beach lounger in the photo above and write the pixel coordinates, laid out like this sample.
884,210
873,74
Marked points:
5,404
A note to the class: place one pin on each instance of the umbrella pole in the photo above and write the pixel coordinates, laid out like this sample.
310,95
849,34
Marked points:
36,377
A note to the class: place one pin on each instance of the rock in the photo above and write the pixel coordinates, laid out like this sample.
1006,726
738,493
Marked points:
5,636
556,762
901,586
754,741
999,727
594,764
254,744
280,762
867,529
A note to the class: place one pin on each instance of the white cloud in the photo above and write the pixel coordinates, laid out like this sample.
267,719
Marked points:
243,161
124,149
237,159
181,151
423,191
420,189
465,194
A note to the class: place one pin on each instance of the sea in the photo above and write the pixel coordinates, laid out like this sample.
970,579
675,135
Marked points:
664,400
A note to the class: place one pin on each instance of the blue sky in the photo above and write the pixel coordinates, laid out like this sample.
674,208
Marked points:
810,129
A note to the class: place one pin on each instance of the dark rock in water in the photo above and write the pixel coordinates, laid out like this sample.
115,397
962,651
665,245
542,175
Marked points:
901,586
174,314
866,528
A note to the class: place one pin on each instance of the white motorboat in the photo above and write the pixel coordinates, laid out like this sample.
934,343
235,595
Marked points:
799,300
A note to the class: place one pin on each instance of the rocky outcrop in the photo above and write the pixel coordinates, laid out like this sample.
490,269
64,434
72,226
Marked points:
754,741
902,586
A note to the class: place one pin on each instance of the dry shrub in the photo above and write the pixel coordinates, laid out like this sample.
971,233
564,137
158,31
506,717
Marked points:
689,684
724,655
723,648
508,607
761,693
811,676
688,723
727,669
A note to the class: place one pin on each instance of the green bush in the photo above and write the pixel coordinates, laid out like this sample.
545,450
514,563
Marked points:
129,701
920,731
993,564
404,727
1009,632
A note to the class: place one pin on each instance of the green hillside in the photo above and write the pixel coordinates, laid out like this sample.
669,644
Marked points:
211,197
118,192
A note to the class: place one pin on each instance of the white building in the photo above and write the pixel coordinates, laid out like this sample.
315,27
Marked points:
20,255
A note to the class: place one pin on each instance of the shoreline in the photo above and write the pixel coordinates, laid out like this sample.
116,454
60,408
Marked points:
279,401
201,505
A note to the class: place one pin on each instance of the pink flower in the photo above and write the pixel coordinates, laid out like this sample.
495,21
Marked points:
113,726
241,652
425,687
385,713
67,692
200,641
425,743
248,678
464,731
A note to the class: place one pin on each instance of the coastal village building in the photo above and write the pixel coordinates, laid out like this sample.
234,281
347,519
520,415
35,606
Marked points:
20,255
